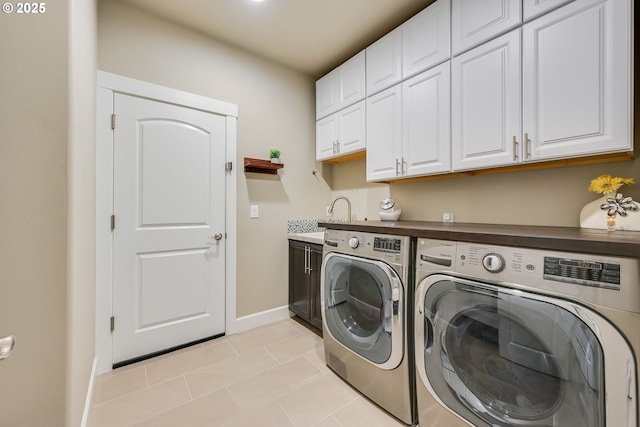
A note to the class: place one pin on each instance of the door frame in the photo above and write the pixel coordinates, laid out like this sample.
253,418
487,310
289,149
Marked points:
107,85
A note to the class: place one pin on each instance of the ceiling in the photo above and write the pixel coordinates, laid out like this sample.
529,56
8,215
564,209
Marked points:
312,36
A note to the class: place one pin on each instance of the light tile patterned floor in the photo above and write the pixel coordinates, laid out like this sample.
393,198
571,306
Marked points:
272,376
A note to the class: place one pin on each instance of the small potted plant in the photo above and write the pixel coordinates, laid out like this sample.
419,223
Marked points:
274,155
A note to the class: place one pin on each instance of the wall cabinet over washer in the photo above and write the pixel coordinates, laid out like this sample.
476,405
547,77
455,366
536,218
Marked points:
305,261
575,83
408,127
417,45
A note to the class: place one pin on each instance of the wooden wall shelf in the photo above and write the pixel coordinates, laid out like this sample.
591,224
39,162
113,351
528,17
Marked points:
261,166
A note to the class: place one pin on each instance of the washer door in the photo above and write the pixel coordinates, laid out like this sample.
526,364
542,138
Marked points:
503,357
362,307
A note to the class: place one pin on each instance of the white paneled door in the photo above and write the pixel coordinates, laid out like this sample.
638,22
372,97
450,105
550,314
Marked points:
169,236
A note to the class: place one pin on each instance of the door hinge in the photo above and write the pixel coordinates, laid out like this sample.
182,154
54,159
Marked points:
113,222
228,166
113,121
113,323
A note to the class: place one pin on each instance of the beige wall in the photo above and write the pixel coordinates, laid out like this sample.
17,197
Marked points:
276,110
47,219
33,215
81,219
544,197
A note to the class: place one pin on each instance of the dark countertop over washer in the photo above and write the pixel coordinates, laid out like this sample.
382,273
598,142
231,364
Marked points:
569,239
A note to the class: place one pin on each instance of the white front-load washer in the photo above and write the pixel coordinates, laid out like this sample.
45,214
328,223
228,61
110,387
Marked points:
509,336
367,299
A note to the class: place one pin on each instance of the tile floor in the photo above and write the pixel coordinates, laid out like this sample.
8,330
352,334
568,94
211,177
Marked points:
272,376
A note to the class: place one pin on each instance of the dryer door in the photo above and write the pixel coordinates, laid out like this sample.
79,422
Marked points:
363,307
503,357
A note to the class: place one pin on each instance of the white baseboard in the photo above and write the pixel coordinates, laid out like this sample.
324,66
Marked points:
88,400
259,319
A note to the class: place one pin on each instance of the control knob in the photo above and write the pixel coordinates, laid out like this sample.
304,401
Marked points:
354,242
493,263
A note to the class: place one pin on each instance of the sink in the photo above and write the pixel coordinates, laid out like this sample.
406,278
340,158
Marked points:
316,237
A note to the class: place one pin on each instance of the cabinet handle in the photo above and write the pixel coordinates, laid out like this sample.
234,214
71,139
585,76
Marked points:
515,149
397,167
527,143
306,259
337,146
404,167
333,147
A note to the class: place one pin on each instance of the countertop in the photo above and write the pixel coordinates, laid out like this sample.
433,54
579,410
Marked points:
316,237
570,239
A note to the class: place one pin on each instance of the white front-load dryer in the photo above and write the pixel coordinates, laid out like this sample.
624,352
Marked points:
519,337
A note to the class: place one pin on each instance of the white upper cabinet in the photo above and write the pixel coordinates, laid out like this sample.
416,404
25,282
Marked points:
327,95
426,38
384,134
351,81
384,62
534,8
476,21
341,87
486,104
577,91
426,122
342,132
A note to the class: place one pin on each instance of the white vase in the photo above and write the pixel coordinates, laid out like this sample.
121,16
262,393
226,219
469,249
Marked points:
591,216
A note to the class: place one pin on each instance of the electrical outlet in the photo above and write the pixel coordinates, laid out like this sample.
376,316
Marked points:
254,211
447,217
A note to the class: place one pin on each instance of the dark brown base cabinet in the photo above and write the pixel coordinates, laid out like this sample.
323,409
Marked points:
305,262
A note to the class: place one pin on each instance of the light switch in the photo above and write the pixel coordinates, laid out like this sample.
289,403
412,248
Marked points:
254,211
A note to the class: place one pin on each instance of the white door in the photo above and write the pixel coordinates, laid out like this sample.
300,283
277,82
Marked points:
326,136
351,81
577,89
384,134
426,122
533,8
169,182
473,22
426,38
352,128
327,95
384,62
486,105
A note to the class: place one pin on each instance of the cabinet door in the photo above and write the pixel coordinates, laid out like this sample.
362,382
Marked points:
426,122
299,290
384,133
351,81
577,80
534,8
326,137
352,128
327,95
384,62
426,38
486,104
474,22
315,275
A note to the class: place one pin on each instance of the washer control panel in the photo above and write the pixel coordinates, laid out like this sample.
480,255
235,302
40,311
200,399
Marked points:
605,280
393,249
582,272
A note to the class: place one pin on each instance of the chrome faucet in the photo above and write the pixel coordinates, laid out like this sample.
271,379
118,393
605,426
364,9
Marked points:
333,202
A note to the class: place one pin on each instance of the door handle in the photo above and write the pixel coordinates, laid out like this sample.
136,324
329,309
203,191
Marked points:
217,236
